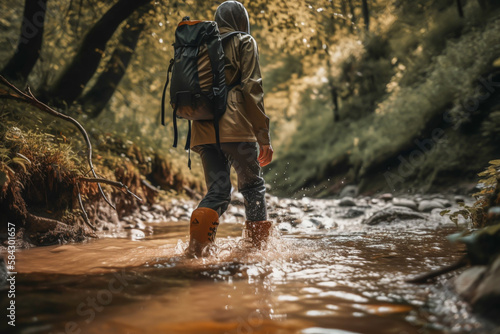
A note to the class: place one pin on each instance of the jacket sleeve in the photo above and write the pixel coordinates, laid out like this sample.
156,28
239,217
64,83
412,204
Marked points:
253,93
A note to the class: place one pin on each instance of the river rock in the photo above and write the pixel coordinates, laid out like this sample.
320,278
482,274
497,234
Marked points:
407,203
272,215
148,216
136,234
114,218
427,206
311,223
392,213
459,199
140,225
468,280
347,201
386,197
285,227
293,220
237,198
443,201
349,191
272,201
352,213
486,299
158,208
185,217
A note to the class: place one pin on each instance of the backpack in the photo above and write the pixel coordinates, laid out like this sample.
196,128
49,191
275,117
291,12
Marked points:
198,90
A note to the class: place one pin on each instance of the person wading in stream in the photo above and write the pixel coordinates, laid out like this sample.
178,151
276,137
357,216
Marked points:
244,137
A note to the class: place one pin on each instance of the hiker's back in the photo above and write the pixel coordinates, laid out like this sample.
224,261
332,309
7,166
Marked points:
244,119
236,124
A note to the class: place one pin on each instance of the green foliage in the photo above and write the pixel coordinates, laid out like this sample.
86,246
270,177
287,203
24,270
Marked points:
380,123
486,198
418,58
491,127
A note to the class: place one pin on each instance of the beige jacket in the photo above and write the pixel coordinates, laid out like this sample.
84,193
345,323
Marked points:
245,119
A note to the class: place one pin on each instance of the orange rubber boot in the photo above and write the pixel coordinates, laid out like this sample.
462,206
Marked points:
202,229
258,232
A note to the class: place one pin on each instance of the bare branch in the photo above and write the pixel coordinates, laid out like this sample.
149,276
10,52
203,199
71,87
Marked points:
423,278
31,99
84,213
149,186
111,183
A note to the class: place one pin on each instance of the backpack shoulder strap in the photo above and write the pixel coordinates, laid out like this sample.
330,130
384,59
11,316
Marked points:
165,91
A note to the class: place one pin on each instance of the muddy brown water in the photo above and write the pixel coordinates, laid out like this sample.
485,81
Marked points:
347,279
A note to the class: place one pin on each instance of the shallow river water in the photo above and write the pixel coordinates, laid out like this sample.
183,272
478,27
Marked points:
344,279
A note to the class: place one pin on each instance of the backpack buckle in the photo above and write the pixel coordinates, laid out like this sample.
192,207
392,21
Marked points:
216,91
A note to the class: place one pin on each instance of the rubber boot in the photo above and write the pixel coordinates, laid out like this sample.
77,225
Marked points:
202,230
258,232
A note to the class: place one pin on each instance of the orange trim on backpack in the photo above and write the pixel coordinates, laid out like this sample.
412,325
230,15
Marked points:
191,23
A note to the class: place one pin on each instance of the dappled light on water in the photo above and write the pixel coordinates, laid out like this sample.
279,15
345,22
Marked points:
322,281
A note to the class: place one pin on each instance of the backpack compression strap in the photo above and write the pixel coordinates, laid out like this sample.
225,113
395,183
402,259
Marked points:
165,91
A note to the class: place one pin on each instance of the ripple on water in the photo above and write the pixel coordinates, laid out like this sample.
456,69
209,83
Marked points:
302,283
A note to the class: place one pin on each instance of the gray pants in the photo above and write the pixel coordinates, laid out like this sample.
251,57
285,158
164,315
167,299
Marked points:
217,168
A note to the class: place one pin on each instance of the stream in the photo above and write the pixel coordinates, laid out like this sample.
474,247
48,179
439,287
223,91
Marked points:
325,274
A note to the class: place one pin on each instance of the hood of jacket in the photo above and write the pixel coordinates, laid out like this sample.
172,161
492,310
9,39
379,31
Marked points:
232,16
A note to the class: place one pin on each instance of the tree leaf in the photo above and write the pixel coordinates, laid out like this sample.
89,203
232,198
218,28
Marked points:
20,162
444,212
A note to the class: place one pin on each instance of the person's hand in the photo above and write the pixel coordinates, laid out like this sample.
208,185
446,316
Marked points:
265,155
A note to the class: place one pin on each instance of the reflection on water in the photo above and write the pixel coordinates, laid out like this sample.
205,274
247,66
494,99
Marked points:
348,280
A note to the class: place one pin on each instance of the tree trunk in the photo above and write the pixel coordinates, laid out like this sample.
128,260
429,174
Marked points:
460,8
353,15
343,10
77,74
99,95
366,15
30,41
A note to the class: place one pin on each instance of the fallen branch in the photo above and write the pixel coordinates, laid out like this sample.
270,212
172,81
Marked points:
112,183
149,186
423,278
191,192
84,213
29,98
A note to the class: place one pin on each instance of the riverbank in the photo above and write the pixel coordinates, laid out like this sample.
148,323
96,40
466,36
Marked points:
48,188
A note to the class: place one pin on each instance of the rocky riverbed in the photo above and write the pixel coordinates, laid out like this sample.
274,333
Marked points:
478,285
289,214
348,257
